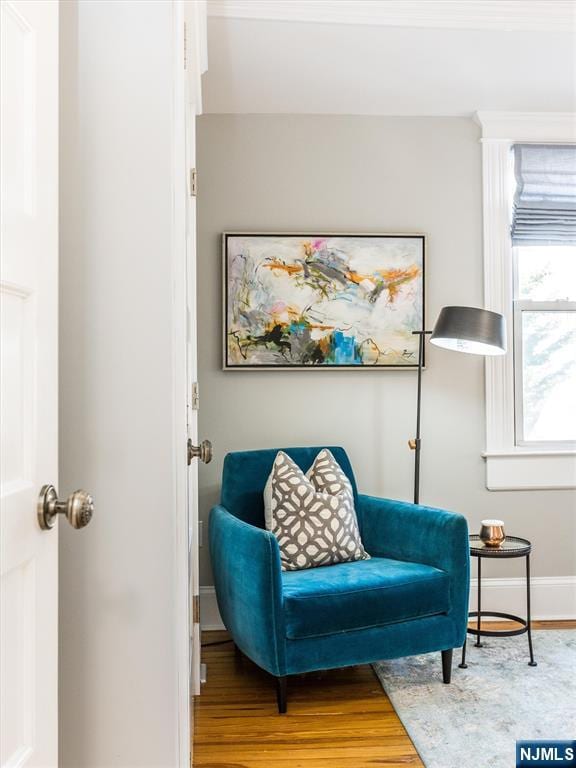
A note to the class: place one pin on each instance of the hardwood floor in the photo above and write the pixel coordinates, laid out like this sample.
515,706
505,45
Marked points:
336,719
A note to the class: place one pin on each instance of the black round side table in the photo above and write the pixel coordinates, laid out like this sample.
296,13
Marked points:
511,547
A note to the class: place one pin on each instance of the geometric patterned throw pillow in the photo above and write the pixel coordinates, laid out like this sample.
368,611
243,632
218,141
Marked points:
328,476
313,527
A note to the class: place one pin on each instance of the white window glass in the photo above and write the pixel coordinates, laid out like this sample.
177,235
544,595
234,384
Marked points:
545,346
548,375
546,273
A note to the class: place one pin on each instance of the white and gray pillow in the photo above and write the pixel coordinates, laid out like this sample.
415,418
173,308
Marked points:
328,476
312,516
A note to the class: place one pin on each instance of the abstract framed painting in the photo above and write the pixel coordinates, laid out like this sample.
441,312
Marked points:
322,301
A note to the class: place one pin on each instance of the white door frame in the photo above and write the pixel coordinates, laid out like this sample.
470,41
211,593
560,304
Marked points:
179,400
189,62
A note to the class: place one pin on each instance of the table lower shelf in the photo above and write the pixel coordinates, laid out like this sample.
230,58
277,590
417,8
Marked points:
497,632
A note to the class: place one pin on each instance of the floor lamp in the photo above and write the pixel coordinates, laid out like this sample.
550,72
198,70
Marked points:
461,329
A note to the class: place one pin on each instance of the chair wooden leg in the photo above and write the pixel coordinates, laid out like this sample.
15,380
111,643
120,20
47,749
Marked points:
281,694
447,665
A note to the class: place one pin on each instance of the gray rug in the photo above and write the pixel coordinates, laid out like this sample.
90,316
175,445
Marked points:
475,721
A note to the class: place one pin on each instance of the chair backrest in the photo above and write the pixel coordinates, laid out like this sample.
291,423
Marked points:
245,474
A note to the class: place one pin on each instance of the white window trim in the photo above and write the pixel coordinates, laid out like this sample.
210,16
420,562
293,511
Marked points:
508,466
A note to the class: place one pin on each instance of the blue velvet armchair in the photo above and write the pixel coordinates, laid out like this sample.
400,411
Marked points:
411,597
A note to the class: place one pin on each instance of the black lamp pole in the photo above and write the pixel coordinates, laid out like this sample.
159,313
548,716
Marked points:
461,329
415,444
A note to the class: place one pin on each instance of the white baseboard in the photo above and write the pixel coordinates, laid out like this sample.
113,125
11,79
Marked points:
553,598
209,614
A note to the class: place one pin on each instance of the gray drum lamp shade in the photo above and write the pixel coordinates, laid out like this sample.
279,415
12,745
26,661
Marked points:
545,196
470,329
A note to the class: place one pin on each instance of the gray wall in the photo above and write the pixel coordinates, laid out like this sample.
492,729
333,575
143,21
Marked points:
118,682
362,174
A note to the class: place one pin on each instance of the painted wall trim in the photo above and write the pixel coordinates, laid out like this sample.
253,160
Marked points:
525,471
507,466
179,405
527,126
210,618
540,15
553,598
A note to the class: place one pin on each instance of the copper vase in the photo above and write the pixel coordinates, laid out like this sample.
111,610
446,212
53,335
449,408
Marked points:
492,533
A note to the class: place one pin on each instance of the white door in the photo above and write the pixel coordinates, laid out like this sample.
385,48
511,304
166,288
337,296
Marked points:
195,62
29,448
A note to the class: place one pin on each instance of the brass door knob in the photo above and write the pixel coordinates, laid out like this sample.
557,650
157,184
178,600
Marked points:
202,451
78,508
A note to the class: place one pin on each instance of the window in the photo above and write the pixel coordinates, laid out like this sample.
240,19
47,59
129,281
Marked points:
529,214
545,345
543,232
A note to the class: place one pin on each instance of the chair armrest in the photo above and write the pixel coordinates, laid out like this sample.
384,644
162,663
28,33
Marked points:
413,532
248,581
419,534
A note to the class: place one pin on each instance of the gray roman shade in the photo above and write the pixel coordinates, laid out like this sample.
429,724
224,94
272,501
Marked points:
545,197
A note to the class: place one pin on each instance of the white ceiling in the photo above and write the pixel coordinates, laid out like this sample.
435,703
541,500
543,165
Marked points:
390,57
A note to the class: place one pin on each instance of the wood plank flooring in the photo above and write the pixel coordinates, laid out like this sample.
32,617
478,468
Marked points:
336,719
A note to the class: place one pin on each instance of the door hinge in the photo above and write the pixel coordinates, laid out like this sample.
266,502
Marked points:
195,402
193,182
196,609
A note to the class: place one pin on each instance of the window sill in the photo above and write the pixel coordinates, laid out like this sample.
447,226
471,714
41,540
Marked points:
528,470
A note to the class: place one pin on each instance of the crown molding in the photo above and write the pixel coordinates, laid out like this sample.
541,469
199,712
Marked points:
528,126
503,15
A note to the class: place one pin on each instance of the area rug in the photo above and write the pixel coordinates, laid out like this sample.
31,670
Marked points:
475,721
